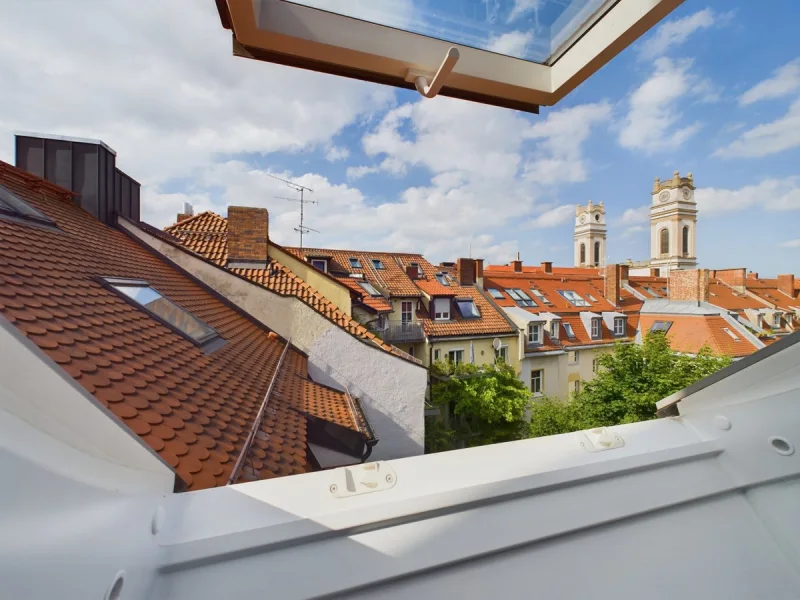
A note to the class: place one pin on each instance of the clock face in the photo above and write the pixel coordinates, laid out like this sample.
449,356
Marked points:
663,196
687,194
583,218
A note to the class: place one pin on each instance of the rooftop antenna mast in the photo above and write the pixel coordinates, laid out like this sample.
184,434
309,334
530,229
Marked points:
301,229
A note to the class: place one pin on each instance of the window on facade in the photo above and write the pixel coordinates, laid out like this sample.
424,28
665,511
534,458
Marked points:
619,326
437,355
685,243
595,364
661,326
320,264
495,293
456,356
554,328
573,298
12,206
574,357
534,333
595,328
776,320
664,241
731,333
369,288
537,382
540,296
501,355
583,254
468,309
355,263
521,297
441,309
570,332
164,308
406,311
442,278
576,386
377,263
596,254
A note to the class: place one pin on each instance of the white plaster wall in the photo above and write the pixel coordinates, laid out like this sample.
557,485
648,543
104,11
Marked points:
391,390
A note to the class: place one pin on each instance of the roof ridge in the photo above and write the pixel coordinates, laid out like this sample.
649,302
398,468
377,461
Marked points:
193,217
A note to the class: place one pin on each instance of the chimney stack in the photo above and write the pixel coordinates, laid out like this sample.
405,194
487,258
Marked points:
84,167
735,278
248,237
688,284
547,267
412,272
612,284
624,271
465,271
786,284
517,264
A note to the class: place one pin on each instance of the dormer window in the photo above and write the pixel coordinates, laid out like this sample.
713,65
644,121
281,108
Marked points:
320,263
554,329
619,326
776,320
534,333
354,263
377,263
441,309
595,329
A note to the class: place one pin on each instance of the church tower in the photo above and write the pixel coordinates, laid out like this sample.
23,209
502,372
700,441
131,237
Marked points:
673,221
590,235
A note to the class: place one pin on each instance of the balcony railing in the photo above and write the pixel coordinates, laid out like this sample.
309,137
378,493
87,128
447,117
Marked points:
403,332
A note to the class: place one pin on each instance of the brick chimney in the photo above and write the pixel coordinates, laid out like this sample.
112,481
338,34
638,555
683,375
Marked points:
465,271
689,284
517,264
735,278
547,267
248,237
412,272
612,284
624,271
786,284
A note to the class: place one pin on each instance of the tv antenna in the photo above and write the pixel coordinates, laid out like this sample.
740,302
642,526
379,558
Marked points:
301,229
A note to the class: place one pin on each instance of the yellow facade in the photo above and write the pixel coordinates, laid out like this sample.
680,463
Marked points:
482,349
560,371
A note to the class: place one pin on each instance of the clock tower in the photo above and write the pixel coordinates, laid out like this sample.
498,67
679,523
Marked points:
590,235
673,221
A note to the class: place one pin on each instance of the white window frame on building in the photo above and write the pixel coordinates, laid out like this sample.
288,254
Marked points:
456,356
595,364
776,320
437,354
574,357
534,333
596,331
441,309
619,326
406,312
554,329
537,376
576,386
320,263
501,352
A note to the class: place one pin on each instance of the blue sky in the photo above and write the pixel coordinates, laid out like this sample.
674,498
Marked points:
714,90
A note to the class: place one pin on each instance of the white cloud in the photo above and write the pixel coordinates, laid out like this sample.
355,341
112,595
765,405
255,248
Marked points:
165,91
336,153
640,214
354,173
771,195
522,8
784,81
791,244
769,138
653,120
513,43
553,217
677,31
561,136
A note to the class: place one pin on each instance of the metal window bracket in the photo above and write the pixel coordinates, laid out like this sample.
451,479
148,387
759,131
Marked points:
429,86
599,439
362,479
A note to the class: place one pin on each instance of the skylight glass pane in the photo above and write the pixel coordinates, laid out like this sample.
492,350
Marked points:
527,29
167,310
513,293
468,309
568,329
355,263
369,288
497,294
376,262
442,278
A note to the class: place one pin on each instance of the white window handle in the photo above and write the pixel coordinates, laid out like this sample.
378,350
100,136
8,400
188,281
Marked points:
432,89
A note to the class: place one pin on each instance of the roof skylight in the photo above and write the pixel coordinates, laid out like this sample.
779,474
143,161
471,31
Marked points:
354,263
661,326
520,297
540,296
468,309
495,293
13,206
442,278
574,298
369,288
377,263
570,332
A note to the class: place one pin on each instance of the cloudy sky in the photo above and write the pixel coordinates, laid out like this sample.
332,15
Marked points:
712,90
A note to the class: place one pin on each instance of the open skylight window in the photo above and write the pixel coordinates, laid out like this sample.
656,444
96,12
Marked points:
570,332
12,206
377,263
513,53
164,309
540,296
495,293
661,326
354,263
442,278
468,309
369,288
573,298
520,297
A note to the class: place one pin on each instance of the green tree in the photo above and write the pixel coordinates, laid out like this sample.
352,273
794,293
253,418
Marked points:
630,381
486,404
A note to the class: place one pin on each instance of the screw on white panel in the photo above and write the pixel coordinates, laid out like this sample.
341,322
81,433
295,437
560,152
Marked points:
389,478
781,445
334,488
723,423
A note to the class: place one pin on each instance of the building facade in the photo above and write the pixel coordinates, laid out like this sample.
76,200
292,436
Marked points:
673,224
590,235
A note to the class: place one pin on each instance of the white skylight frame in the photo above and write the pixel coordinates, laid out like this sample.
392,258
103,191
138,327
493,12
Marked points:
370,289
296,35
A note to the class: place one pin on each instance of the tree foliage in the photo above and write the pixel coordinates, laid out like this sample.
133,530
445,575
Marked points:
630,381
487,404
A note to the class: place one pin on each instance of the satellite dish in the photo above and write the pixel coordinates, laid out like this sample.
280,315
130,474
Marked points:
496,343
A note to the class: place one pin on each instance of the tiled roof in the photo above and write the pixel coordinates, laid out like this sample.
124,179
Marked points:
378,304
537,270
725,297
194,408
206,234
689,333
550,285
650,287
490,321
434,288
